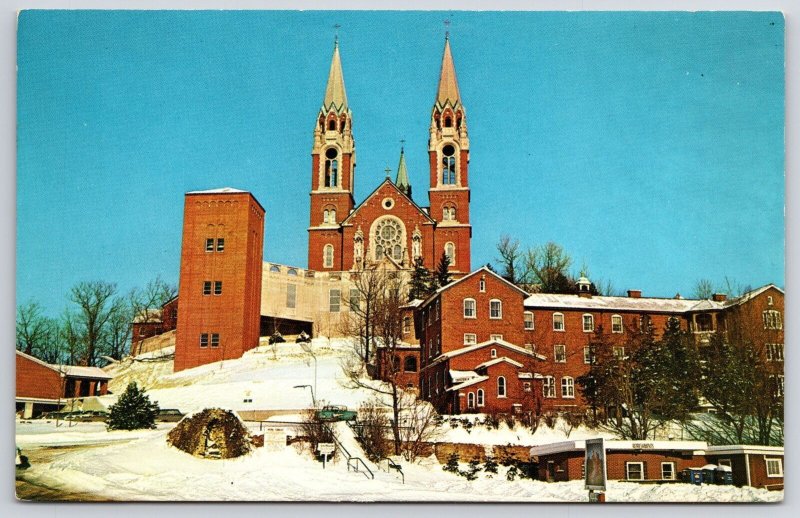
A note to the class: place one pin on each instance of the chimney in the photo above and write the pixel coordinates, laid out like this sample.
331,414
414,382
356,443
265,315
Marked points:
635,294
719,297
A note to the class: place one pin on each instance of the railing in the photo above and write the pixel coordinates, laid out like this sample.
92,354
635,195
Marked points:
351,461
390,465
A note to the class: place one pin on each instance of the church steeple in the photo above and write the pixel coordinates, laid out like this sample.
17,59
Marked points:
402,182
448,84
335,93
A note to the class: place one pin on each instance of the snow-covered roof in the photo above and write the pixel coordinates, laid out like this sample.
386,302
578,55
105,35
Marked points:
499,360
655,305
525,375
83,372
400,345
459,376
221,190
148,316
412,304
481,345
750,295
740,449
469,382
580,445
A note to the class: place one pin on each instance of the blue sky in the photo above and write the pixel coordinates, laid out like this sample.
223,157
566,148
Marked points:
649,145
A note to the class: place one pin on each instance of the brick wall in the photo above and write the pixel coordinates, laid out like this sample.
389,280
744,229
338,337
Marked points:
35,380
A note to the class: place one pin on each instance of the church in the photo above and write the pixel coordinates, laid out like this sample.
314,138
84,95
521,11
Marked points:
389,226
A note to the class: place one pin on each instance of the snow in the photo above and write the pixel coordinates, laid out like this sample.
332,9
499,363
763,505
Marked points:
140,465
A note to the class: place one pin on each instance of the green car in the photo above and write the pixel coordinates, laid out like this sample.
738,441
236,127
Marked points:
336,413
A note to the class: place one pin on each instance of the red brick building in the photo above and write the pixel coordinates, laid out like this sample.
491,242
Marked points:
42,386
220,277
473,354
388,224
662,461
153,323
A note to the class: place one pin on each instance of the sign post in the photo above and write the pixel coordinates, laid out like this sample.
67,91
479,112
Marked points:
595,469
325,449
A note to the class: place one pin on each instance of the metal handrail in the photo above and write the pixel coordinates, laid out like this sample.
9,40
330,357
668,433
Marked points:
390,464
368,473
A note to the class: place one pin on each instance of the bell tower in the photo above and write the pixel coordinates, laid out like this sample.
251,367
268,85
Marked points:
448,150
333,161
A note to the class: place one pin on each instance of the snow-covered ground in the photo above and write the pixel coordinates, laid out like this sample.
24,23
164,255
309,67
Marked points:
139,465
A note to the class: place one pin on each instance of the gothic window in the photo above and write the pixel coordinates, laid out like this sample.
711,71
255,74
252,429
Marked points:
332,125
480,397
448,165
389,238
329,216
331,167
448,122
327,256
471,400
448,213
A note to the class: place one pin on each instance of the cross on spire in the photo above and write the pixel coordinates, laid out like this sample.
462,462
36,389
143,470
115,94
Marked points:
402,144
387,171
336,27
447,28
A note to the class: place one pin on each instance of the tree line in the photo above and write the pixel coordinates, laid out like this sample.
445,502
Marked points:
94,327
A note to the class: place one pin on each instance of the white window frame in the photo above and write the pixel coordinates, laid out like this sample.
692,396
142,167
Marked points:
615,320
495,337
587,355
327,256
450,251
628,472
671,471
482,285
473,310
470,401
568,387
480,398
549,387
591,322
528,319
772,460
772,319
774,352
501,384
470,339
337,298
563,349
496,315
493,353
561,320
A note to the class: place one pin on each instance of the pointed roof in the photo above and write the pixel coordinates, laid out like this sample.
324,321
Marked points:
448,84
386,181
335,94
402,175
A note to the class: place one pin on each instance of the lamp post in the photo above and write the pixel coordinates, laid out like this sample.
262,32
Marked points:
307,348
313,399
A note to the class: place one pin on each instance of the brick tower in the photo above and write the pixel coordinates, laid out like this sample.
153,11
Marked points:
448,149
220,277
332,173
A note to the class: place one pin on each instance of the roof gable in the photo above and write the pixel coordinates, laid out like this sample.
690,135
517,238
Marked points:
501,343
386,184
483,269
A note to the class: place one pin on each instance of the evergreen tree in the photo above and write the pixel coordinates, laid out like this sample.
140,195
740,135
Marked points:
132,411
443,271
490,466
452,463
420,284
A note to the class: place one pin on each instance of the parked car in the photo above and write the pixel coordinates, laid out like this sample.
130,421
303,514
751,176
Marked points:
169,415
336,413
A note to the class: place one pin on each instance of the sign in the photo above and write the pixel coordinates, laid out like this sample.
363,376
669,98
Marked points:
595,465
642,446
326,448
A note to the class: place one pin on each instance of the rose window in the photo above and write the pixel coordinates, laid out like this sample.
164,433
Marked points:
389,240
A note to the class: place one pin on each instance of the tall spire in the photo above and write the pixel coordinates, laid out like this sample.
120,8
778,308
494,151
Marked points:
448,84
335,93
402,182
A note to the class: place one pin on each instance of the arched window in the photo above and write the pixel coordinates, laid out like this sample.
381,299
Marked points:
450,251
275,268
471,400
493,353
410,364
469,308
480,397
495,309
448,165
567,387
501,386
292,272
448,122
331,167
448,213
332,124
329,216
327,256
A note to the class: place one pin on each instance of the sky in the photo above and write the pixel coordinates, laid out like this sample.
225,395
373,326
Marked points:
649,145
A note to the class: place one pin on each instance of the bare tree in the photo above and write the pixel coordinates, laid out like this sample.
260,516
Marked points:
90,321
509,261
362,319
703,289
146,302
32,328
549,268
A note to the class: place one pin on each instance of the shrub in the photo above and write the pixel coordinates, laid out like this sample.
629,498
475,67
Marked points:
132,411
373,424
490,466
473,470
452,463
